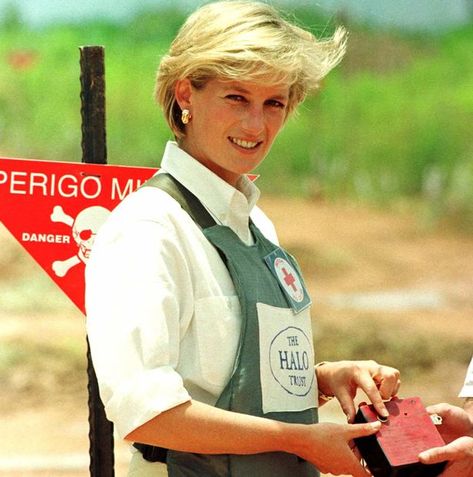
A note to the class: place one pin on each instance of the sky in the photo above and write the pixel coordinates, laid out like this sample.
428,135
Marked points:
408,13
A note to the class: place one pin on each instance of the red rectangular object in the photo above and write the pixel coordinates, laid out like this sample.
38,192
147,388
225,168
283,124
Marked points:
393,451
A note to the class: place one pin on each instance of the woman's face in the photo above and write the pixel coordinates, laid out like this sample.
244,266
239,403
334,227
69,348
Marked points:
233,123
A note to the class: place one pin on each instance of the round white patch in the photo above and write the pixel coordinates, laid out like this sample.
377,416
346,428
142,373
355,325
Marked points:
289,279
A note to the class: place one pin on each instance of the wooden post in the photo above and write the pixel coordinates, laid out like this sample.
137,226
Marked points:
94,150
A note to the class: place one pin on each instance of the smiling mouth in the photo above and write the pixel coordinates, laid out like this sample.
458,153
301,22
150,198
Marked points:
245,144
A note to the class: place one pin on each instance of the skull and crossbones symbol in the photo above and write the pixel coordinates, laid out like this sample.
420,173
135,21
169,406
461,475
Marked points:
84,229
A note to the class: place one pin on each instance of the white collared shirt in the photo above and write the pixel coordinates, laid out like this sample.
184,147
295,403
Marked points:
467,390
163,319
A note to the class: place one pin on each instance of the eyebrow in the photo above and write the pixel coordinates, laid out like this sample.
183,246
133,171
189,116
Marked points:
240,89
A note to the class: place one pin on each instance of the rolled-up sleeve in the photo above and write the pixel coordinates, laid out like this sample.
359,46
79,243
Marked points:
139,301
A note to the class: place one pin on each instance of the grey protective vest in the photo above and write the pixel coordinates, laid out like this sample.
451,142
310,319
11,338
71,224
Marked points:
273,374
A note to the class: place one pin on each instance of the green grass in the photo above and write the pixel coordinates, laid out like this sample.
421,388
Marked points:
392,123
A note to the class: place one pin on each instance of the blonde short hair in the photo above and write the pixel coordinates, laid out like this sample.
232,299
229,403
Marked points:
244,40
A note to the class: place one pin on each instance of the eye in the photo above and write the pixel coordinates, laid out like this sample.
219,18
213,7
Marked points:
237,98
276,104
85,234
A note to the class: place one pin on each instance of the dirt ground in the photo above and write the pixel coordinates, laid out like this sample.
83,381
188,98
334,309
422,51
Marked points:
362,266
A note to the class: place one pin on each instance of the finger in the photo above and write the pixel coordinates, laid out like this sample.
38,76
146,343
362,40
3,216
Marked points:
389,389
366,383
388,381
357,468
434,455
361,430
355,450
357,454
442,409
396,388
457,449
346,403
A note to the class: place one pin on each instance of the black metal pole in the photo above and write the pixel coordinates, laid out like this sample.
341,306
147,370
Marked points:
94,150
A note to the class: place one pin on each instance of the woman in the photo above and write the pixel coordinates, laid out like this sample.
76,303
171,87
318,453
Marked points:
198,322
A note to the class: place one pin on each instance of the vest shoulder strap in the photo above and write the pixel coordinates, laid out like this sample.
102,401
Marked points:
203,219
187,200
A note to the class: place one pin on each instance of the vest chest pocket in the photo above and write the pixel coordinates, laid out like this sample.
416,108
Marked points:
217,324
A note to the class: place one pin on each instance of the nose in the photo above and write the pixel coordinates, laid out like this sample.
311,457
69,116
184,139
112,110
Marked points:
253,120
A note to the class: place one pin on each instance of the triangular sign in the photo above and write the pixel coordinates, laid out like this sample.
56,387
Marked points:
54,210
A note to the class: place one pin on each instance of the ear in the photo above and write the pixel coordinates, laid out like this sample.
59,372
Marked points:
183,93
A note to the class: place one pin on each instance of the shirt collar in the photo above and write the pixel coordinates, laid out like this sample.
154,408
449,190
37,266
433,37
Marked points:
229,206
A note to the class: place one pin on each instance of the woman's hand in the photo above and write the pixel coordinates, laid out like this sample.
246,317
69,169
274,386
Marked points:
343,378
457,431
327,446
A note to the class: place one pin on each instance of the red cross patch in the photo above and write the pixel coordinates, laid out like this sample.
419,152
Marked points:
289,279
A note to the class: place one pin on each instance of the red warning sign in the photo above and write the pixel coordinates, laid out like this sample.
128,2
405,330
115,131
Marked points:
54,209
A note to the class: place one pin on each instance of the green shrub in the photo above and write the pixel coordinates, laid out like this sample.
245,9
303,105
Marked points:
392,123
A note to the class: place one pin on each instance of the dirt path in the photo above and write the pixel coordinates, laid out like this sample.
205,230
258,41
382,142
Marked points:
364,268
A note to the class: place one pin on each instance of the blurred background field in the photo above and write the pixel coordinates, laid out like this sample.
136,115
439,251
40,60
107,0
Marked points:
392,123
370,186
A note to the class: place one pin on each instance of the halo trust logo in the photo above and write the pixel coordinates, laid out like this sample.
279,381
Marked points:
290,361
